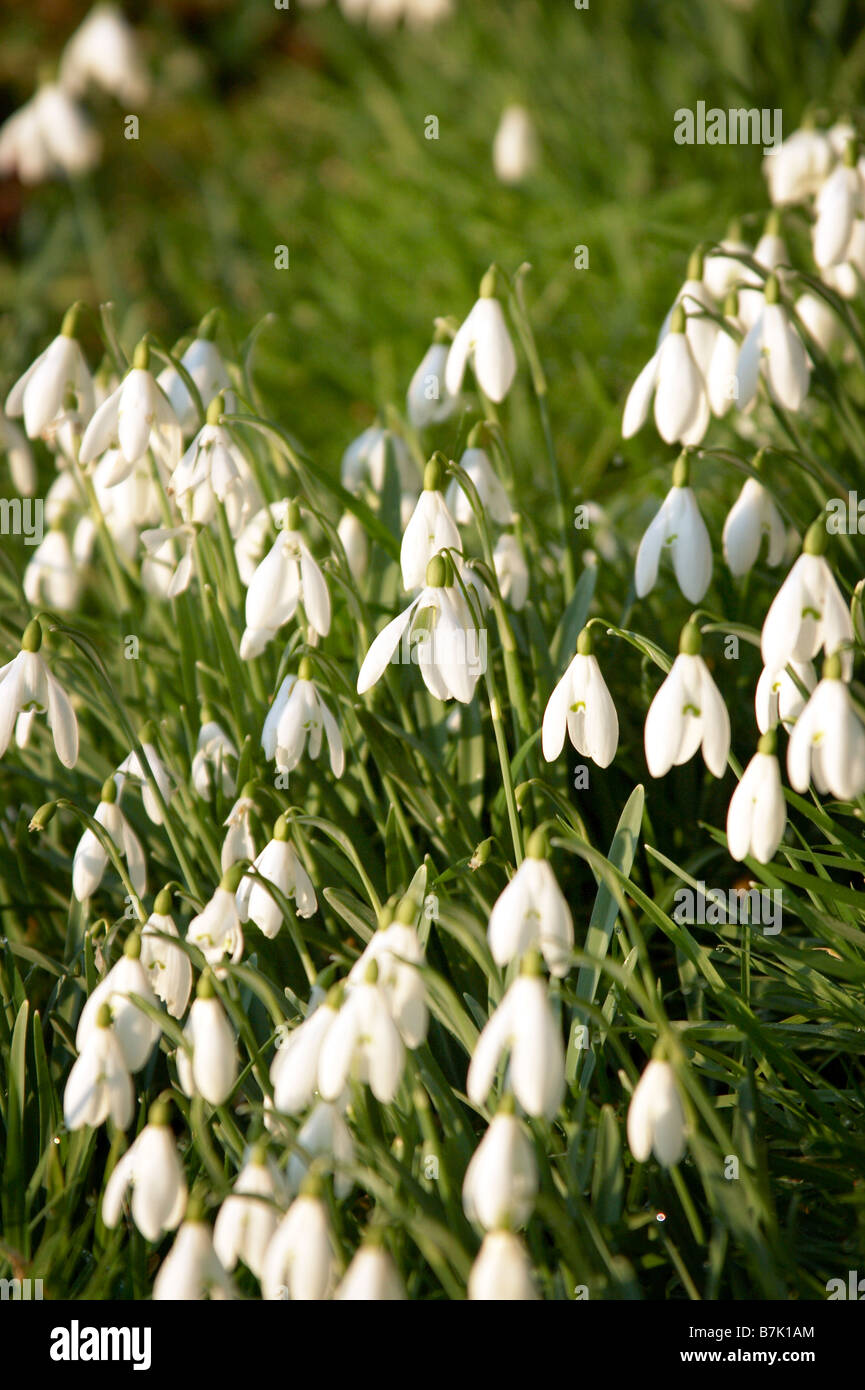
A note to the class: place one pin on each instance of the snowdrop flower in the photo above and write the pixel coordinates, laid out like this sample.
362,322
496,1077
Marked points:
363,1043
819,319
213,470
753,516
211,1071
797,167
774,347
656,1119
493,498
778,699
103,52
49,136
294,1070
26,682
366,459
22,467
299,1262
214,754
238,843
136,417
428,400
324,1134
372,1277
398,956
135,1032
770,255
99,1084
846,277
146,770
431,529
678,528
515,147
168,967
162,572
582,706
502,1271
532,912
484,340
298,714
808,611
52,576
827,745
757,813
722,269
191,1271
701,329
217,930
247,1220
152,1169
203,361
355,544
501,1181
449,650
59,372
91,858
523,1024
839,203
512,572
722,383
675,381
687,713
287,575
280,865
127,506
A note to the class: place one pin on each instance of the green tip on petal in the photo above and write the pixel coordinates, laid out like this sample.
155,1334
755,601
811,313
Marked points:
132,949
537,847
103,1018
682,470
148,732
695,265
385,916
507,1105
162,905
292,516
731,305
678,319
214,410
69,326
159,1113
773,224
370,975
304,670
42,817
208,714
312,1186
335,996
768,743
816,538
248,791
230,880
734,230
258,1156
434,474
31,641
691,640
281,829
832,670
585,642
109,791
490,283
141,356
208,326
206,988
437,573
532,964
407,911
195,1210
851,153
772,290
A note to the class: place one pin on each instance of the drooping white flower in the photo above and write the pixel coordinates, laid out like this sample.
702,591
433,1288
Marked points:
297,718
365,461
502,1271
203,361
493,498
674,379
91,858
582,707
280,865
511,569
59,371
525,1026
699,305
483,340
324,1134
248,1218
136,1033
152,1169
146,770
771,256
515,147
819,319
438,633
656,1118
688,713
501,1181
772,346
722,269
137,416
103,52
211,1071
838,204
48,137
217,930
432,528
294,1070
398,956
531,913
362,1043
752,516
53,576
99,1085
168,967
428,400
26,682
808,611
191,1271
679,529
167,566
757,813
287,575
300,1262
238,842
846,277
722,381
214,471
797,167
215,755
372,1277
355,544
778,699
827,745
22,467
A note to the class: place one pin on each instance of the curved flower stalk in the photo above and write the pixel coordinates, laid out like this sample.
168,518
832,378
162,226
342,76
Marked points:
778,698
211,1069
827,745
502,1271
428,400
217,930
214,760
48,137
25,683
279,864
438,633
430,529
299,716
136,417
135,1032
483,340
773,347
808,612
398,956
247,1220
362,1043
192,1271
300,1261
476,465
168,967
99,1086
524,1026
531,913
91,858
287,576
688,713
372,1276
752,516
679,528
656,1119
757,814
59,373
582,707
152,1169
501,1181
674,379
